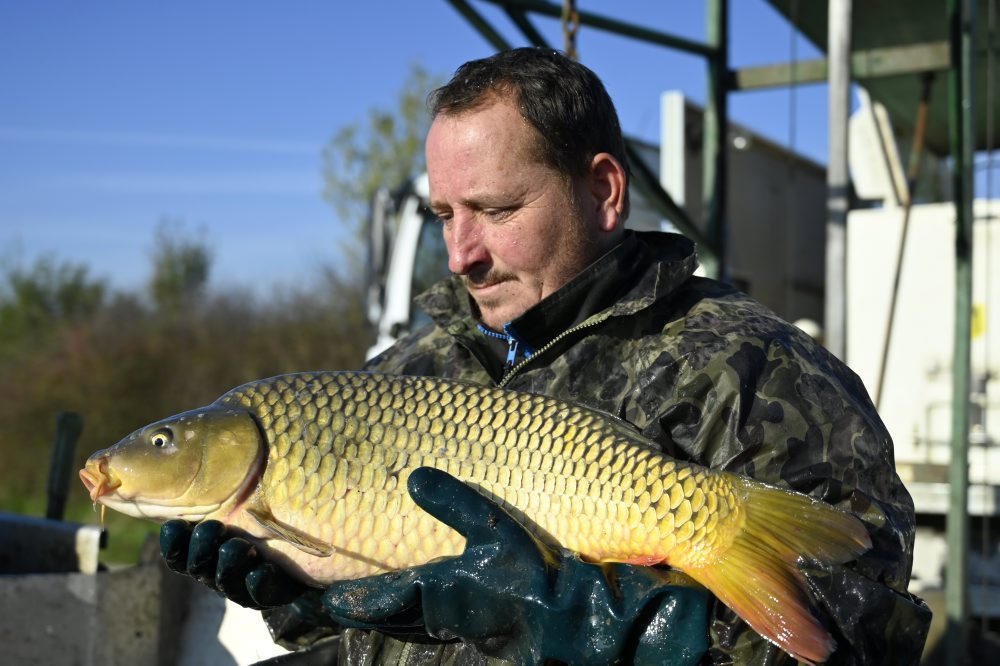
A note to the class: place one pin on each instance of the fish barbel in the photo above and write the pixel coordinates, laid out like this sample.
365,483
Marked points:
313,466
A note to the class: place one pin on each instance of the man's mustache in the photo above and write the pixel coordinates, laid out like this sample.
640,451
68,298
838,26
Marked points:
484,278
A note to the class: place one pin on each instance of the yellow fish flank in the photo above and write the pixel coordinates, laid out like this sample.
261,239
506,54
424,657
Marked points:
314,466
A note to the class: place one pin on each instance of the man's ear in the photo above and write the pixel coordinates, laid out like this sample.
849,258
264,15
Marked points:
607,186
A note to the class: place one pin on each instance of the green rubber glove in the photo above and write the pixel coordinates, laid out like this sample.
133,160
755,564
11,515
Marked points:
515,598
231,566
226,563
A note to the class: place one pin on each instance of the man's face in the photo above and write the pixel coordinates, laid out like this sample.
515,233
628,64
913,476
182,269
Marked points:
516,231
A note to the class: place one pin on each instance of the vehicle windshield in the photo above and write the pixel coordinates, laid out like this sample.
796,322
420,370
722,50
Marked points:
430,263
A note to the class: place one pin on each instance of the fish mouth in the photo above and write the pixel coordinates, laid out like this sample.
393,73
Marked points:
97,479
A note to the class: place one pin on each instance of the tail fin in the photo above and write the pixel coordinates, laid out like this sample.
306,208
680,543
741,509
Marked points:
758,576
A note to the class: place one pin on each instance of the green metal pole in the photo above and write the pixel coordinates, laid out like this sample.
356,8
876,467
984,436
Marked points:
609,25
480,24
69,425
714,141
960,13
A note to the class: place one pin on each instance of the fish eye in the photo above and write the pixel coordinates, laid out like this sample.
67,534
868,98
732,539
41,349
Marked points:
161,438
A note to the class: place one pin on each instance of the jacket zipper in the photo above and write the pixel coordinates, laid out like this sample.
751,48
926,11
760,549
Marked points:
513,345
551,343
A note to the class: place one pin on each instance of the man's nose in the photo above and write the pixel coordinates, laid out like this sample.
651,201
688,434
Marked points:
466,249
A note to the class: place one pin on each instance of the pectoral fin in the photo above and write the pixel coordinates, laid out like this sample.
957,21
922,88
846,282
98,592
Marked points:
296,537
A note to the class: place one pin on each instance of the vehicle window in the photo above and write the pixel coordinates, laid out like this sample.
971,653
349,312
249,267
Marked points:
430,263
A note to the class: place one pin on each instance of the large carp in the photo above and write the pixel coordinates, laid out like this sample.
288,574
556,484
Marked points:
313,466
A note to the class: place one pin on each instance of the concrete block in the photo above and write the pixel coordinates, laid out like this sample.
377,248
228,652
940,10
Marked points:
107,618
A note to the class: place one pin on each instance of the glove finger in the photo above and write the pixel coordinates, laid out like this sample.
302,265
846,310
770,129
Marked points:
237,558
270,586
175,539
477,518
638,584
203,555
389,600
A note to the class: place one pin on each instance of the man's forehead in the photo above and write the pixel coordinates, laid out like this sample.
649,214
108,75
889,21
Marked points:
498,115
494,140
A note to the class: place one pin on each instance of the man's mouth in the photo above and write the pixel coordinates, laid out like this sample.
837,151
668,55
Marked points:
486,281
481,286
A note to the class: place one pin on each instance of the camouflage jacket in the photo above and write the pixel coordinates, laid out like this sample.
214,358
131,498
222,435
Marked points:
716,378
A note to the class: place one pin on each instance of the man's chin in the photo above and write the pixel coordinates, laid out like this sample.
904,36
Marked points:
501,303
496,317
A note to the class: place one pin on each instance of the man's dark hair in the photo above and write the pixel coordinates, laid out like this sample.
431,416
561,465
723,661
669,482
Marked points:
564,101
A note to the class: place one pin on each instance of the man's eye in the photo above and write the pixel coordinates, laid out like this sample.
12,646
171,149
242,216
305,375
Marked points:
427,211
437,215
499,213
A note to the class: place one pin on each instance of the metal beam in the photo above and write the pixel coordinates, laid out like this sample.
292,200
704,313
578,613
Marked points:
714,140
611,25
527,28
483,26
837,179
872,63
960,104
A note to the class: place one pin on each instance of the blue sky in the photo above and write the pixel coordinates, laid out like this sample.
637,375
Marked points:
117,115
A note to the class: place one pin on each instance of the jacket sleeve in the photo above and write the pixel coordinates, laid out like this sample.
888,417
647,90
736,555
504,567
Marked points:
781,409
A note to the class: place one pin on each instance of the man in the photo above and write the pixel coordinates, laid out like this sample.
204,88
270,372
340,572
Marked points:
551,295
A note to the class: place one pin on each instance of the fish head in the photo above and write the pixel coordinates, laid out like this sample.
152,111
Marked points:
187,466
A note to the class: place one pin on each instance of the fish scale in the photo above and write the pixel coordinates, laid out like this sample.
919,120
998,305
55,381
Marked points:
314,467
455,433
